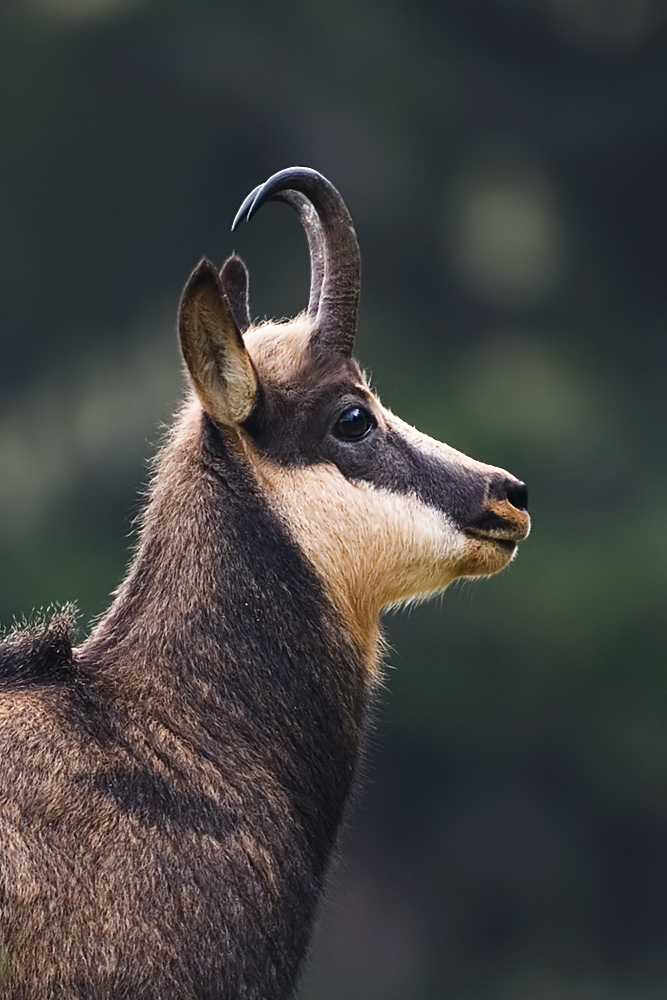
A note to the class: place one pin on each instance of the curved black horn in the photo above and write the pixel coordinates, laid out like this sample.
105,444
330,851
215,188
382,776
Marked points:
311,224
334,251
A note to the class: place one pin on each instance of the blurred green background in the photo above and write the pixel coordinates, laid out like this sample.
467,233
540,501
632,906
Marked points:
504,161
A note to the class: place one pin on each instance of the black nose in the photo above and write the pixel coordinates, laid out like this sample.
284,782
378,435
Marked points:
513,490
517,494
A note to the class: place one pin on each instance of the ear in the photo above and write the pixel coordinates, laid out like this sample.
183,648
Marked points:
213,349
234,277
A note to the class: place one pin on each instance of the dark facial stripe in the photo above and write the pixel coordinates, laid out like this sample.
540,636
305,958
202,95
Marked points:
390,462
295,426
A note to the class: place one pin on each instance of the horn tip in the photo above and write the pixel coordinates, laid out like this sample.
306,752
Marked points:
245,211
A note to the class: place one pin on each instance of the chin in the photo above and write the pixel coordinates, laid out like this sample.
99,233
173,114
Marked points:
485,556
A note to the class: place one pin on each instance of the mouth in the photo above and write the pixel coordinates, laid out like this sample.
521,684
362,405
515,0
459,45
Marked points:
506,533
505,543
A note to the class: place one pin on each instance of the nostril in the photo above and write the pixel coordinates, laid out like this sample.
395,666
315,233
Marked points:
513,490
517,494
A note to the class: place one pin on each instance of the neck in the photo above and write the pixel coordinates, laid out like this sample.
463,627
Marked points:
229,662
223,636
220,595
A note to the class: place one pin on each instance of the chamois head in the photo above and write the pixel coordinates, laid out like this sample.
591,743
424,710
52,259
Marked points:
383,512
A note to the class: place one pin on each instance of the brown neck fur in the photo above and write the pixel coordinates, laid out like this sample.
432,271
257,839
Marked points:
198,594
224,649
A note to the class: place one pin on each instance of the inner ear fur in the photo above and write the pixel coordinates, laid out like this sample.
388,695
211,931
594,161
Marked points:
213,348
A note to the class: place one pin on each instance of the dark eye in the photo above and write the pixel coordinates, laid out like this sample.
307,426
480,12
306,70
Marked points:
354,424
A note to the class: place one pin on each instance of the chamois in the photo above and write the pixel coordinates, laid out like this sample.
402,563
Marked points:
171,789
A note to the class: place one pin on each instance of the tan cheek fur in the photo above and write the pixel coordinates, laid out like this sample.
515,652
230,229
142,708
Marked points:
371,548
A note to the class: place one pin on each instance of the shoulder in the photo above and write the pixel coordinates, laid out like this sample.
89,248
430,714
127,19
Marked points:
39,652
